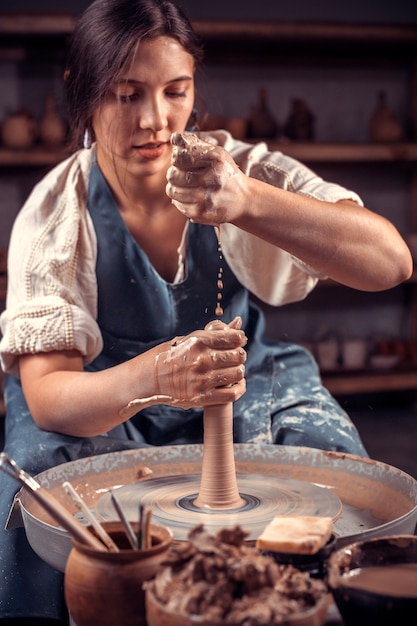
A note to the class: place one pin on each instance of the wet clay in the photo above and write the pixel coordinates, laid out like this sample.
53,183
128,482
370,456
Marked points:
219,309
173,502
218,487
219,579
398,579
190,151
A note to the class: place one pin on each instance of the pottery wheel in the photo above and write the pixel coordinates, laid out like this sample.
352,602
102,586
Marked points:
171,499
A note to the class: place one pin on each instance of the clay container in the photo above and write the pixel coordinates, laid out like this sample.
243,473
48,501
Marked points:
261,123
314,564
18,130
106,587
51,126
299,125
158,615
383,126
374,582
237,127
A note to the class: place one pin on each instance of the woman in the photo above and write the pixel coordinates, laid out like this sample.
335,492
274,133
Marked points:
109,334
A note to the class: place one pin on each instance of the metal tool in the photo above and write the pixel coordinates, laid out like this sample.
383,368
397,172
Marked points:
60,514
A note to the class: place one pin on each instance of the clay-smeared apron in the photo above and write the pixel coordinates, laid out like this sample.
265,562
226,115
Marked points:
285,402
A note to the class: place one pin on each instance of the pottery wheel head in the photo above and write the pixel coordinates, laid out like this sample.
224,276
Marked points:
171,499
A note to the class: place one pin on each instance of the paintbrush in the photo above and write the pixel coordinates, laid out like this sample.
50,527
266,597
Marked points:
147,529
125,522
140,537
79,502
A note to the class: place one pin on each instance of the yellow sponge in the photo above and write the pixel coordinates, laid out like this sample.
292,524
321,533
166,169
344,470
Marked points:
296,535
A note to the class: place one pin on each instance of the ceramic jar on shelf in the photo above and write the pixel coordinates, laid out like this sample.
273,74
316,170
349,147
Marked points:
52,129
19,130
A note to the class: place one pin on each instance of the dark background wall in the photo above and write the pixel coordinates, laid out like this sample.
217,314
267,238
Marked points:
399,11
342,99
343,102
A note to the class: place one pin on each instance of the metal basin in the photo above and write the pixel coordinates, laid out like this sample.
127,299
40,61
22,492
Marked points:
377,499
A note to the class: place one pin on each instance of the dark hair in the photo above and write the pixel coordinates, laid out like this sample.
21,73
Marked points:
105,40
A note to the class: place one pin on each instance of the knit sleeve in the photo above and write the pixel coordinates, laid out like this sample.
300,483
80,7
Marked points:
52,294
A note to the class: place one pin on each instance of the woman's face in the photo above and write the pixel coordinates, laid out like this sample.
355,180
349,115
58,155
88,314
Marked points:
153,98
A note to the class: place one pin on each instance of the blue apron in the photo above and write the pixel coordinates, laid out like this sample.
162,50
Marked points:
285,402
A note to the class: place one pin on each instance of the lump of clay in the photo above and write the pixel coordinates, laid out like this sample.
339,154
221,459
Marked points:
189,151
224,580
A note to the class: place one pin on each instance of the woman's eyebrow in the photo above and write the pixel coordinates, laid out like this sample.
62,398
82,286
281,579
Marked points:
133,81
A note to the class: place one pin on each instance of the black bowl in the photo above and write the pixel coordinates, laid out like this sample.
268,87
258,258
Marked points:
314,564
374,582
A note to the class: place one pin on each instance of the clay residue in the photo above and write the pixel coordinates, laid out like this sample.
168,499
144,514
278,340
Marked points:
394,579
218,487
189,150
224,580
143,472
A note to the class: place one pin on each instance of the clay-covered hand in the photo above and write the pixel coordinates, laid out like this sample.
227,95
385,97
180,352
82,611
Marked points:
201,369
204,182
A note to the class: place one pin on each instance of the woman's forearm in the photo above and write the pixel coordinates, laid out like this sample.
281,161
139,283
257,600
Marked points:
343,241
203,368
64,398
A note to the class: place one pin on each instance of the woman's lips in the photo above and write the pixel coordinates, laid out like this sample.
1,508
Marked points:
150,151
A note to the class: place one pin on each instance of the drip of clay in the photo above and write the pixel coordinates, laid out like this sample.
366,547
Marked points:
219,309
218,486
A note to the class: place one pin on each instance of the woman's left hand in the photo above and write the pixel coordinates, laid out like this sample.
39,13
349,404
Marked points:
341,240
204,182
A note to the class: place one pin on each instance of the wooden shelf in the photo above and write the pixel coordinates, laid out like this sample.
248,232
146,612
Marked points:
348,152
311,152
369,34
36,23
38,157
347,383
308,31
242,41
